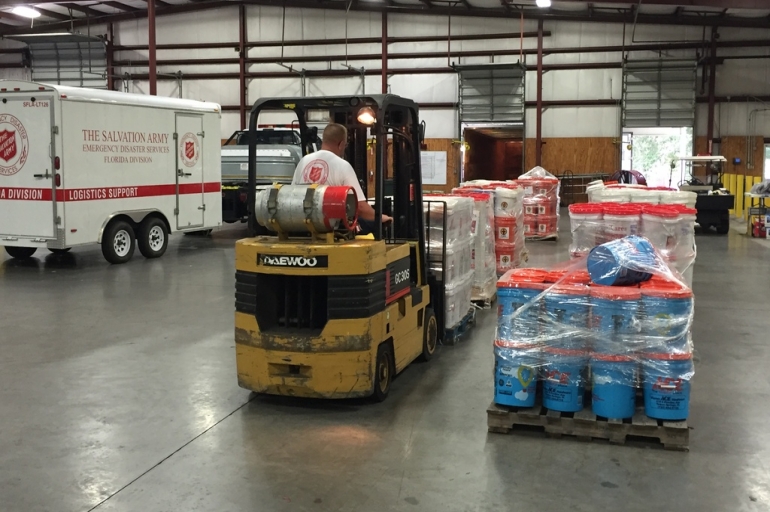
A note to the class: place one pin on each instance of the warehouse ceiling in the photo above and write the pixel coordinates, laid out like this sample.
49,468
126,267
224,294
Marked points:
62,16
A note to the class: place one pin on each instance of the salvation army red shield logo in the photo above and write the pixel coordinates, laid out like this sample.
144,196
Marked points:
14,145
316,171
189,149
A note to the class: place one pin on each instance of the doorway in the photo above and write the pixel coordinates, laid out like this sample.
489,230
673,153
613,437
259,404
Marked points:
492,152
655,152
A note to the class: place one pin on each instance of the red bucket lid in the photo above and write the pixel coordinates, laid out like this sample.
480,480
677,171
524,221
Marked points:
570,289
665,290
661,210
585,208
565,352
531,278
665,356
616,292
473,194
550,181
568,277
512,344
630,209
612,357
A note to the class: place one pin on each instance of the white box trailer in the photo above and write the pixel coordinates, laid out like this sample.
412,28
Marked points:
82,166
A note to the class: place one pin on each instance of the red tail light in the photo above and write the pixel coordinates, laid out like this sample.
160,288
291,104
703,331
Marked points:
58,179
56,163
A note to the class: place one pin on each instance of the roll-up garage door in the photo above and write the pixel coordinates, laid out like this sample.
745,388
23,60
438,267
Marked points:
491,93
67,59
659,93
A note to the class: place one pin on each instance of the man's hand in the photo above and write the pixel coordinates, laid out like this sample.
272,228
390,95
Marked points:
386,219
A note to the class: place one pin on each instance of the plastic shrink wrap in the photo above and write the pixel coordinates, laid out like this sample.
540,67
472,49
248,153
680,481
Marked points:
449,225
541,204
563,329
670,228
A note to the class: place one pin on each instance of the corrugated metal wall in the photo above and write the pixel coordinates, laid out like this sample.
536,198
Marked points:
744,77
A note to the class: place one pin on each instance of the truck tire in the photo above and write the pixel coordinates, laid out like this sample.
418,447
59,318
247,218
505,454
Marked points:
429,335
153,237
384,368
118,242
20,253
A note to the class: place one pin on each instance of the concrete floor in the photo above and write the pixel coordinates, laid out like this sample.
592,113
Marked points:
118,393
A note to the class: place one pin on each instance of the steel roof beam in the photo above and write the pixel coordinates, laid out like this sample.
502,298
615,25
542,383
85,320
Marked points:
603,16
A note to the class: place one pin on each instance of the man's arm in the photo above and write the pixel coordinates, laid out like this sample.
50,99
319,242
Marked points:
365,210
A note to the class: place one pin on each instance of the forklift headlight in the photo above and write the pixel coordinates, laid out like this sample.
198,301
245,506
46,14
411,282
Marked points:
366,116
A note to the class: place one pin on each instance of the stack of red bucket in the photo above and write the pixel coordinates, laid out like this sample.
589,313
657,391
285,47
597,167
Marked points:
509,227
541,203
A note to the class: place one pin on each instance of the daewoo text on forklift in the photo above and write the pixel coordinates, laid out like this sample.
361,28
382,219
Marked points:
319,312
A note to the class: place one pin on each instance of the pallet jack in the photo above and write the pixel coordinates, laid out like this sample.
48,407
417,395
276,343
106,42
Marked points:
322,313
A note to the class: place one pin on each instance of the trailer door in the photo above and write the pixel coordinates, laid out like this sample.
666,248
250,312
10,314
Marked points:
27,206
189,171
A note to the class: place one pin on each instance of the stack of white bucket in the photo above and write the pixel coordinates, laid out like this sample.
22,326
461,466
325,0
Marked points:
620,193
457,275
666,217
508,239
483,249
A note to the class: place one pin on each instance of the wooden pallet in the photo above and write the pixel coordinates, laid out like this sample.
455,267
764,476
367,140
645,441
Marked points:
484,302
585,425
453,334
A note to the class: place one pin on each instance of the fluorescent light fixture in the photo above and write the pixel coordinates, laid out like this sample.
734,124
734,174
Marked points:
26,12
543,3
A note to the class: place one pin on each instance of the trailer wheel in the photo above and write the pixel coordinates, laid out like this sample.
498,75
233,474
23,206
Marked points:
118,242
20,253
153,237
429,335
384,368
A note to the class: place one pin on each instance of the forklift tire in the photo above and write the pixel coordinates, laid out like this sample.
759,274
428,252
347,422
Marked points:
429,335
383,372
61,251
153,237
118,242
20,253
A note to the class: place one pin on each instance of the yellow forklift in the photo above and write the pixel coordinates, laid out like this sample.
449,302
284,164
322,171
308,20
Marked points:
320,312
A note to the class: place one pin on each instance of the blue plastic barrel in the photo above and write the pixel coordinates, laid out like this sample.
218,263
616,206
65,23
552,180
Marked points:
666,383
667,309
621,262
613,378
564,376
567,308
615,319
516,371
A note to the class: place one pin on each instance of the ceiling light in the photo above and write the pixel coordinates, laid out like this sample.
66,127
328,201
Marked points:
26,12
543,3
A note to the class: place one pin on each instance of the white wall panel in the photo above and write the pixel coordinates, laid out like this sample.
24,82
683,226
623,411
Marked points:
439,123
425,88
744,77
735,77
231,121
